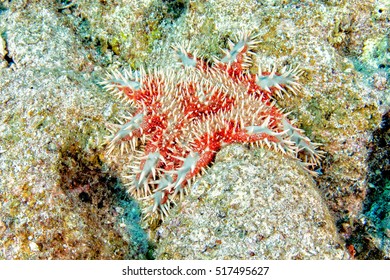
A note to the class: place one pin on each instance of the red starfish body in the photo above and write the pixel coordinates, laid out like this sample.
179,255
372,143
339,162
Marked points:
184,115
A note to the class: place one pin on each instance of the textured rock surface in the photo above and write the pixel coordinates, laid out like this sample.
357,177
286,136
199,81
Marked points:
252,205
59,200
53,115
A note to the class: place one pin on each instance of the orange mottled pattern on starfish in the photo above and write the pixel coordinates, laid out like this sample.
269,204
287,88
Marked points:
185,114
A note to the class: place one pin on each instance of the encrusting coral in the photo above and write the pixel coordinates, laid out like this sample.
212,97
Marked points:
185,114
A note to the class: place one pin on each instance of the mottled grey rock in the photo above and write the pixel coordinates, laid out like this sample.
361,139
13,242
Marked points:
253,204
59,199
51,58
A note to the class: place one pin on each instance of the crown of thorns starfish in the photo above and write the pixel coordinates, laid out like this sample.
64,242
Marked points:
184,115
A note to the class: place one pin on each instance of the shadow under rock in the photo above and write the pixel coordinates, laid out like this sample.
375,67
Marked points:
97,192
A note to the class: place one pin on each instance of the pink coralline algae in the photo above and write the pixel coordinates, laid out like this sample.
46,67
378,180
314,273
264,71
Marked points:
183,116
